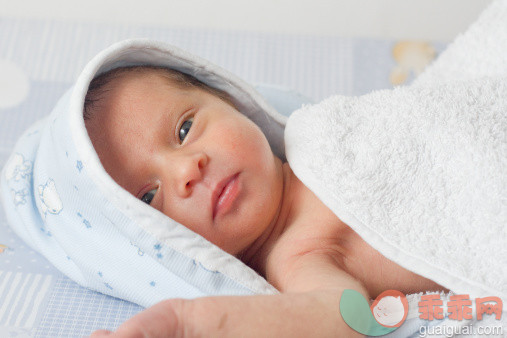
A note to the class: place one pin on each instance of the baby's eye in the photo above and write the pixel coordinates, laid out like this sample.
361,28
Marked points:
185,128
148,197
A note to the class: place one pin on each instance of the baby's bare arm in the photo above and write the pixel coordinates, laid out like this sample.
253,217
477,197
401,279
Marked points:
310,307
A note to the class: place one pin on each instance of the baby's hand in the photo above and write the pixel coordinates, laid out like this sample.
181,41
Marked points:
160,320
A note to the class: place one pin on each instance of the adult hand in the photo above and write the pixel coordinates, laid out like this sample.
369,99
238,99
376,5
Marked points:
161,320
314,314
309,306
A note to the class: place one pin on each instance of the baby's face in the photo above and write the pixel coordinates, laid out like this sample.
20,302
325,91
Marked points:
190,155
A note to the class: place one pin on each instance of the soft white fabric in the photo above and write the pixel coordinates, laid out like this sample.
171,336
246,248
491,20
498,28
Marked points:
420,172
479,52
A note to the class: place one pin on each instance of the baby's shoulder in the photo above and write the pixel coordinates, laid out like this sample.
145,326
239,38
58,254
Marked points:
306,247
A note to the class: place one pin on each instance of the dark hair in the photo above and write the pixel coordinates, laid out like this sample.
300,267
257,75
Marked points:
98,86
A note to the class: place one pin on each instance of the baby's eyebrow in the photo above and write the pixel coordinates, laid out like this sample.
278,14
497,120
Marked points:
166,123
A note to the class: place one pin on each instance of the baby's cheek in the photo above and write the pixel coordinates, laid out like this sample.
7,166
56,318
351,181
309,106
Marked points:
186,213
244,144
258,144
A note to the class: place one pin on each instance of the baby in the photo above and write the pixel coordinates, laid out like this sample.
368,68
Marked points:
184,148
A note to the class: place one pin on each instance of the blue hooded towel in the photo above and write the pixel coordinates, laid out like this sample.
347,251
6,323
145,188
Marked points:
59,199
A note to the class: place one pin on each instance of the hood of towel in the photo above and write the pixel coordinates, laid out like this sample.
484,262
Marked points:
59,199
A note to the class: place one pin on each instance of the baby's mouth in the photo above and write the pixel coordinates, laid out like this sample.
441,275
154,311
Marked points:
224,195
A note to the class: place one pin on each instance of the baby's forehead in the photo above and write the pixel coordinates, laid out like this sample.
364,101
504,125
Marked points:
145,75
159,76
122,80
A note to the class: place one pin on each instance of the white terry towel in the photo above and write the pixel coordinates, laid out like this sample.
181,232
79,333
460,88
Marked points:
420,172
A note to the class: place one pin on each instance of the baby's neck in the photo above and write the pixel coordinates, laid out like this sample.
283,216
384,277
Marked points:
360,260
255,255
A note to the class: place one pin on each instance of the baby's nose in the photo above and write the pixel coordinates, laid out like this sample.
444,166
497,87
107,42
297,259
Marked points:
190,171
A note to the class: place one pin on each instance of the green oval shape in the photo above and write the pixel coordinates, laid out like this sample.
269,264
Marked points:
356,312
